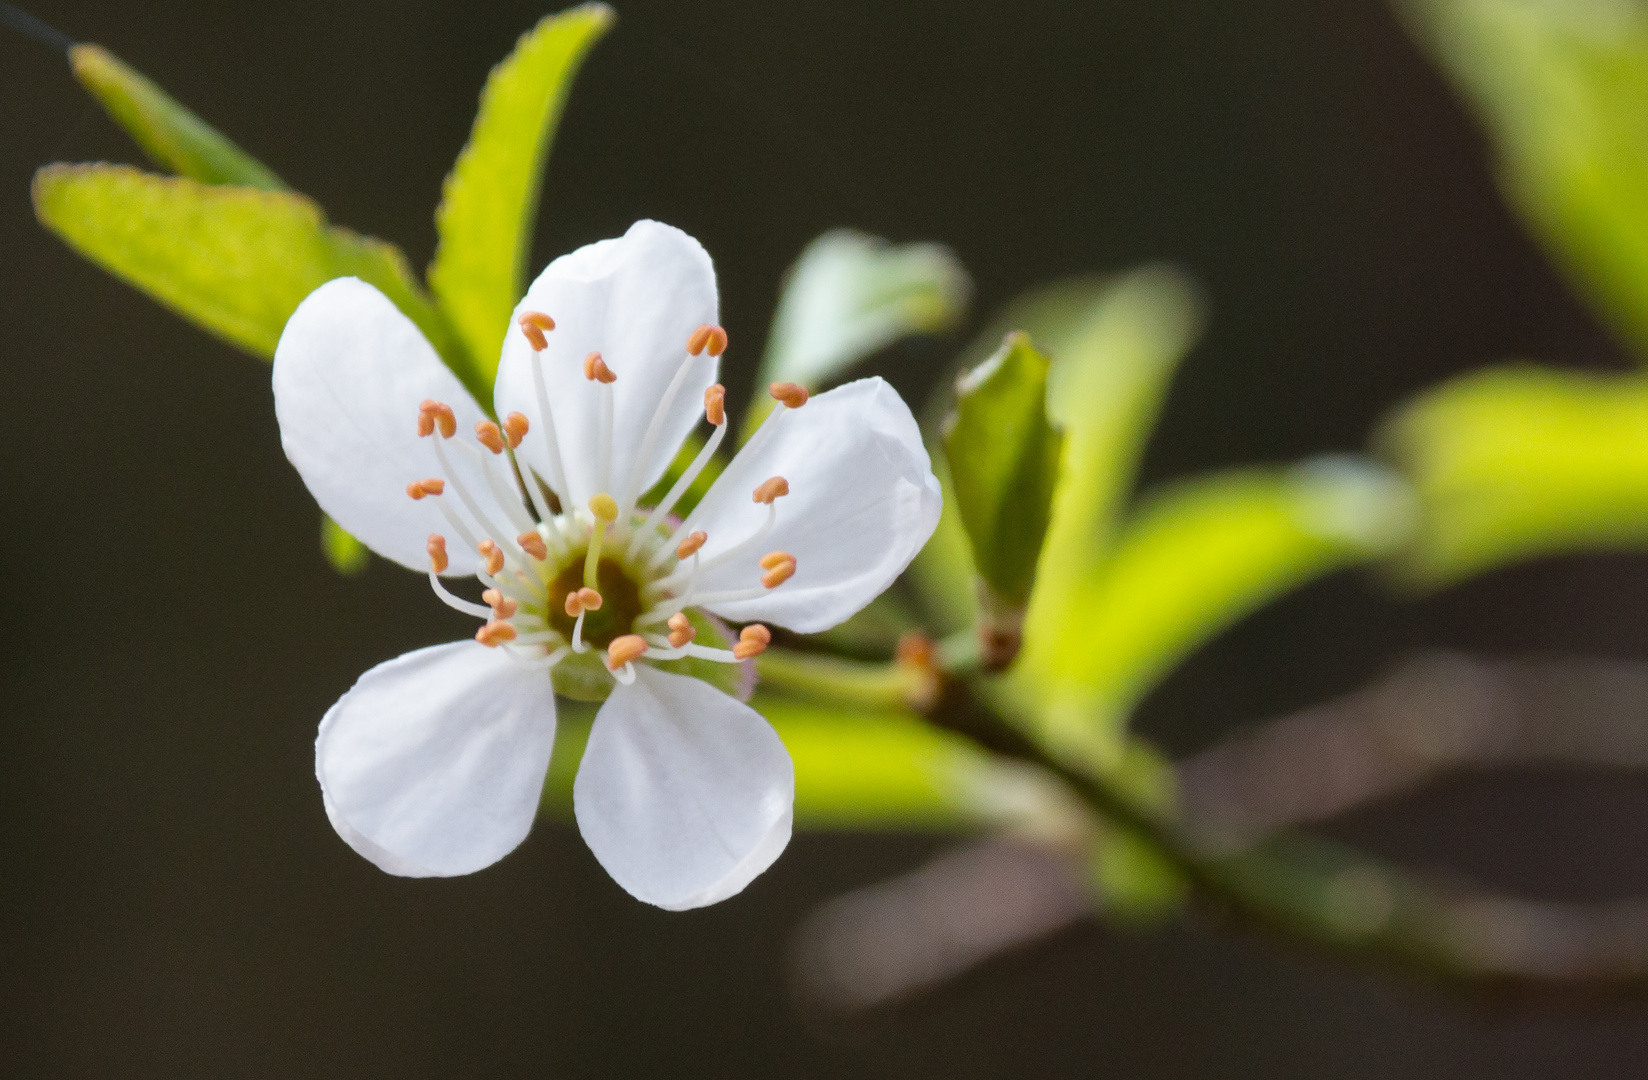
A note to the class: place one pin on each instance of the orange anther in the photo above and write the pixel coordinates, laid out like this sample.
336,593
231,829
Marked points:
502,606
778,575
771,489
493,555
773,558
692,543
426,420
590,599
489,435
495,633
515,429
681,630
700,338
715,404
792,395
752,641
432,415
596,370
574,606
534,324
624,649
533,545
718,341
419,488
437,553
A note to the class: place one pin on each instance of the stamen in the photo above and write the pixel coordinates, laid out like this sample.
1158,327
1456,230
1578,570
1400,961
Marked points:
436,547
533,544
792,395
493,555
515,428
681,485
581,600
455,603
552,446
778,574
632,490
489,435
691,544
715,404
625,649
700,338
534,324
432,415
681,630
752,641
773,558
417,489
578,643
771,489
494,634
502,606
718,341
596,370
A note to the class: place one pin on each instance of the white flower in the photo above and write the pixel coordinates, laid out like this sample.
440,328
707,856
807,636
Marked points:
432,765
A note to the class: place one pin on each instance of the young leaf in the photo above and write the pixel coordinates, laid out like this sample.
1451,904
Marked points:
848,295
347,555
172,136
491,196
1004,460
1519,461
1563,89
233,260
1198,556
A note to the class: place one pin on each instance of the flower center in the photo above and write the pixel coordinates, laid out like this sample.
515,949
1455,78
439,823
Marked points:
620,602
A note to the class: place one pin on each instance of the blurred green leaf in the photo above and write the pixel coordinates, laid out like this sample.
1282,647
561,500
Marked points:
232,260
347,555
1518,461
848,295
943,573
491,197
1197,556
1004,460
1563,89
172,136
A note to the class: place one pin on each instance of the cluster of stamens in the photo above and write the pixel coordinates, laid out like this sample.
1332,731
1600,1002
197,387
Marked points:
550,559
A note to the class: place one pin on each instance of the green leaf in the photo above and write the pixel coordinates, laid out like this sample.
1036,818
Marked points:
172,136
943,572
233,260
1563,89
1520,461
347,555
491,197
1004,460
1197,556
848,295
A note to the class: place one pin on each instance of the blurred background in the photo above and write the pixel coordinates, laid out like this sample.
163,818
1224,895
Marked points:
174,901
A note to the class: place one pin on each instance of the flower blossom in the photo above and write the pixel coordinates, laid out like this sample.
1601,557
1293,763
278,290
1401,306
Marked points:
434,762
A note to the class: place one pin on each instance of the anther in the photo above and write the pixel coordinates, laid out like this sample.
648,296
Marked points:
596,370
700,338
773,558
493,555
534,324
432,415
515,429
581,600
792,395
417,489
489,435
681,630
779,573
752,641
715,404
502,606
624,649
718,341
495,633
533,545
436,547
604,506
694,541
771,489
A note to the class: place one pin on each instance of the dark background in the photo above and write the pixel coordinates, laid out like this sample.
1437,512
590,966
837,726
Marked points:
174,901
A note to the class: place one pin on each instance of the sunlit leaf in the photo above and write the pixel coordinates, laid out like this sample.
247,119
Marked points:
491,197
233,260
347,555
850,294
1563,90
1519,461
172,136
1197,556
1004,460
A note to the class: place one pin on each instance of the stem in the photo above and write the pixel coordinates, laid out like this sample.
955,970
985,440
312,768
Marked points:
834,680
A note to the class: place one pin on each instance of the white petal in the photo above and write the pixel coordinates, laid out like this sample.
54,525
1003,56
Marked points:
349,374
684,794
432,765
635,300
863,500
